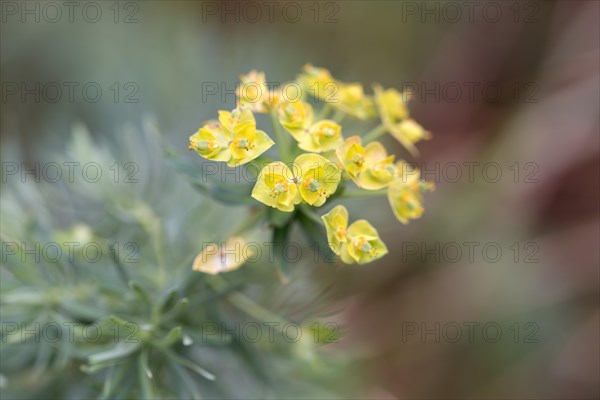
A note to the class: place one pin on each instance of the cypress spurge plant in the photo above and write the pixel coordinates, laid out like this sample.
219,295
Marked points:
160,289
314,162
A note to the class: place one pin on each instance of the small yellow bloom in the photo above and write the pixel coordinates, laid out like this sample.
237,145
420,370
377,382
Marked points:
296,118
318,178
211,142
234,139
253,92
276,187
352,100
336,224
313,179
215,259
391,105
352,156
247,144
236,120
394,116
369,167
408,133
323,136
319,83
358,243
405,193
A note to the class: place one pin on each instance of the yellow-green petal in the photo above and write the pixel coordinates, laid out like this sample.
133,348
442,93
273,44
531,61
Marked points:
210,143
336,224
247,145
318,178
296,117
323,136
275,187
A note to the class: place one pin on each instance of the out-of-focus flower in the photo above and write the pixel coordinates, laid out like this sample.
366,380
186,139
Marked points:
296,117
408,133
313,179
405,193
215,259
358,243
394,116
319,83
391,105
369,167
322,136
253,92
336,224
352,100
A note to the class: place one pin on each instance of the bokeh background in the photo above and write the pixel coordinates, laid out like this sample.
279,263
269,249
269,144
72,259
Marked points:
527,104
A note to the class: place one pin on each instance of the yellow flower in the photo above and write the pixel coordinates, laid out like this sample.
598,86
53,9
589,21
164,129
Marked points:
276,187
318,178
391,105
405,193
369,167
336,224
409,132
358,243
352,156
211,142
215,259
318,82
323,136
234,139
253,92
247,144
352,100
313,179
394,116
236,120
296,118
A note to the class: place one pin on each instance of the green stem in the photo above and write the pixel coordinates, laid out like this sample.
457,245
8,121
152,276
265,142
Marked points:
360,194
374,133
246,304
309,213
281,138
338,116
325,111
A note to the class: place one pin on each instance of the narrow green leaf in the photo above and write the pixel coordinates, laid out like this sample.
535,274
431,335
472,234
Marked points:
140,291
145,376
170,338
280,238
121,350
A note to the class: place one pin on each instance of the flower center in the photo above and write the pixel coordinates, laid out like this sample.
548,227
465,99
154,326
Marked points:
205,145
243,143
340,233
362,245
358,159
327,132
280,187
313,185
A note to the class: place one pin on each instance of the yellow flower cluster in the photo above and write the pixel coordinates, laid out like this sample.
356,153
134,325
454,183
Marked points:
233,138
311,170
